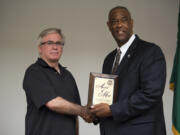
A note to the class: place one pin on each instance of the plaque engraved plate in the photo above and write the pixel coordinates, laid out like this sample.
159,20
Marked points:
102,88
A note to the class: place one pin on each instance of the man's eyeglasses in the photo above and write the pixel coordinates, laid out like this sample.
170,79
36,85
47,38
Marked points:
58,43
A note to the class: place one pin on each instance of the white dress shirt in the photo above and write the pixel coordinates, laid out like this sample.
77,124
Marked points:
125,47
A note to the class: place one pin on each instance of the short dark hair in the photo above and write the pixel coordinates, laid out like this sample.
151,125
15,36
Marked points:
118,7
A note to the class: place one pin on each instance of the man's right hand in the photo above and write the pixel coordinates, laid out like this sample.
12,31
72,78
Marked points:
87,115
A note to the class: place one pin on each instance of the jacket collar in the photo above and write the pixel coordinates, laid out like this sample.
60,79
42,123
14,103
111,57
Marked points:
128,56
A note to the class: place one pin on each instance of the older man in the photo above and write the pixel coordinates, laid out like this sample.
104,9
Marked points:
53,101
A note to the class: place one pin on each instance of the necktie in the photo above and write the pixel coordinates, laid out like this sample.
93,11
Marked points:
118,55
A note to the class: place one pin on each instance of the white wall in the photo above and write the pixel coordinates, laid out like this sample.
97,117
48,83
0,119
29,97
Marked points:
87,42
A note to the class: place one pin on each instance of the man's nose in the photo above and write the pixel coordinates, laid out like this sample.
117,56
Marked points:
54,46
119,23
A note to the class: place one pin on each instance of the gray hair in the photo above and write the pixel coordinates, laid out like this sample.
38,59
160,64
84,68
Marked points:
49,31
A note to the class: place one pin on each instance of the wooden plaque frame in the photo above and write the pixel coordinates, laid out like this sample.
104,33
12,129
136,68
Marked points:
102,88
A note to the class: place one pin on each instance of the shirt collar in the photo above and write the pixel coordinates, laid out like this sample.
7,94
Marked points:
125,47
41,62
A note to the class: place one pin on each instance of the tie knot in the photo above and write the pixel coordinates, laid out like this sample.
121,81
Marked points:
119,51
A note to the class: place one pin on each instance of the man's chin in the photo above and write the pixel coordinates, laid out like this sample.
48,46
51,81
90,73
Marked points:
120,37
54,60
121,40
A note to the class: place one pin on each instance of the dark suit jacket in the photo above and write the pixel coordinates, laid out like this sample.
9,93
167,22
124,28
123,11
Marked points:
142,75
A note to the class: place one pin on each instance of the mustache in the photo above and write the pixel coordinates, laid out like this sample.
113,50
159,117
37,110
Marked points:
120,29
54,52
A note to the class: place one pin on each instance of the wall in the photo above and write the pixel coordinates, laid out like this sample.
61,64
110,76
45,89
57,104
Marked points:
88,40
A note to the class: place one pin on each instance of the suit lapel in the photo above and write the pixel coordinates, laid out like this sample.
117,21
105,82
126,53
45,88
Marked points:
127,57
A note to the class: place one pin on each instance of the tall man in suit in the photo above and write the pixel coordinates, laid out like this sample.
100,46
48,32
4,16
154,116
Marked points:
142,74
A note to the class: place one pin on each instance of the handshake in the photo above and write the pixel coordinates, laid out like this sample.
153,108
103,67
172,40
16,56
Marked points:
90,114
87,115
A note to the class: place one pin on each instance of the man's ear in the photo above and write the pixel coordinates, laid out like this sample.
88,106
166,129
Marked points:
108,24
132,22
39,49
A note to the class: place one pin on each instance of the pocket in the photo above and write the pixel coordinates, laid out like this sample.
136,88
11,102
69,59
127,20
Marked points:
142,122
144,127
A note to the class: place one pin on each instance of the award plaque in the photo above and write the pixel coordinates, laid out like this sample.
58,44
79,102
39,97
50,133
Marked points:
102,89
